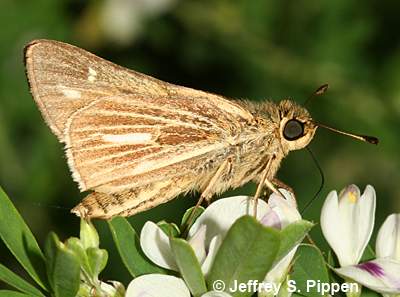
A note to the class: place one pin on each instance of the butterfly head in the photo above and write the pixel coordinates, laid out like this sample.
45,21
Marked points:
296,128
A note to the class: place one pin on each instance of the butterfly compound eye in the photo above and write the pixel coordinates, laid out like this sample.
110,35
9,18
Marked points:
293,130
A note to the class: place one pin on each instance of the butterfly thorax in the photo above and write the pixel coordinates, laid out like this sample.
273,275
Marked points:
265,137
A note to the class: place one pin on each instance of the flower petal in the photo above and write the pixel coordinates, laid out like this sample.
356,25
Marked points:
347,222
388,239
212,252
112,288
286,209
380,275
155,245
157,285
278,272
271,219
221,214
198,243
332,227
364,220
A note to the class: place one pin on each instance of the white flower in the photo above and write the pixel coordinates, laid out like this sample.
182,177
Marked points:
157,285
211,226
282,213
208,231
205,235
347,222
347,225
155,245
380,275
388,239
160,285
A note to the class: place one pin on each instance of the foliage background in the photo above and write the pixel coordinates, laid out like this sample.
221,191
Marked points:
244,49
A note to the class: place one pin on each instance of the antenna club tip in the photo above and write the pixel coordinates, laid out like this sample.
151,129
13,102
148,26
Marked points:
371,139
321,90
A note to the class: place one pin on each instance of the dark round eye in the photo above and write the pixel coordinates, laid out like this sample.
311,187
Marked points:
293,130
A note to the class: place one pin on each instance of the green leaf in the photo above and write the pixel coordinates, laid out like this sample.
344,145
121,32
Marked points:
50,251
170,229
331,260
63,268
88,234
128,246
292,235
17,282
97,260
75,245
247,253
309,266
188,265
8,293
20,241
188,212
92,260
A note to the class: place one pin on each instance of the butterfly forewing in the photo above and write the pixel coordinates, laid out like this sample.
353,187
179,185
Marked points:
116,145
123,129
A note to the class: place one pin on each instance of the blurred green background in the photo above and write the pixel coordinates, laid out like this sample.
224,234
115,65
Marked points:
243,49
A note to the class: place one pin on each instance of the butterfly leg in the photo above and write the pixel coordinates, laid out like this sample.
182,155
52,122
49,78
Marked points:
264,180
224,170
208,191
281,184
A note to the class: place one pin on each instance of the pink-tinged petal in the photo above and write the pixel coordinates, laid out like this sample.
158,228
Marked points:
286,209
198,243
271,219
155,245
372,268
380,275
221,214
388,239
157,285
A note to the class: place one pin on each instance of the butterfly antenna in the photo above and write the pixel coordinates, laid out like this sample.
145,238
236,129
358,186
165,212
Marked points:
43,205
318,92
321,173
364,138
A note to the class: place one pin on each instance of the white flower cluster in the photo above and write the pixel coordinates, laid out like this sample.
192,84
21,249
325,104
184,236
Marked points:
347,222
205,237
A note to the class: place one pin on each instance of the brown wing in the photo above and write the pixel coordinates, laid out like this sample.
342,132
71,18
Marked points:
122,128
119,143
64,78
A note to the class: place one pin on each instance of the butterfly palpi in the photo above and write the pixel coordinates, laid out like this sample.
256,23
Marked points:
137,142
